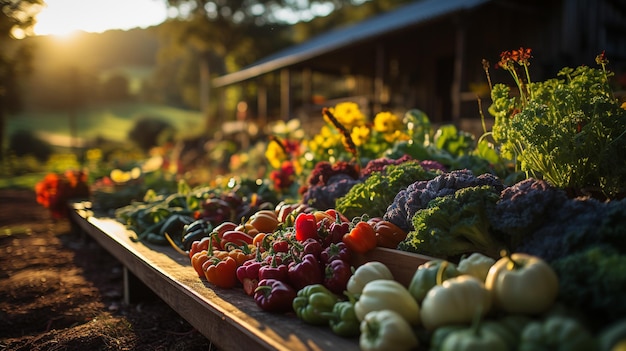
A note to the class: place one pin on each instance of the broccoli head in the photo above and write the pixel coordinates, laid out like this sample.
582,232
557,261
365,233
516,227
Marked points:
455,224
593,282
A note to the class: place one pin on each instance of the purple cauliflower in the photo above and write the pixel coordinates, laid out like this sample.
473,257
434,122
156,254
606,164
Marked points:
417,195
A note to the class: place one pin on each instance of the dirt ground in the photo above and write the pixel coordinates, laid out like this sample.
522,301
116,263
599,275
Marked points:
62,291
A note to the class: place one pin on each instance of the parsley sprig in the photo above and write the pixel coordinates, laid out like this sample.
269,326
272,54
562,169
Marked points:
568,130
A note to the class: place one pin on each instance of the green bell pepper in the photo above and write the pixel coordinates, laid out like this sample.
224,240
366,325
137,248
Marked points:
509,327
437,337
427,274
385,330
314,303
342,319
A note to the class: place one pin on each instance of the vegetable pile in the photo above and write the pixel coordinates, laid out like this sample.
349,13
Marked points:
525,228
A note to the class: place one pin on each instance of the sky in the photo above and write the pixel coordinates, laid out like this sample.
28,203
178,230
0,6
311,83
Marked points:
62,17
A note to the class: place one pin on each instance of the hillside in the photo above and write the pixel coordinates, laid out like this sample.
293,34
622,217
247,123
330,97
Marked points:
98,51
76,68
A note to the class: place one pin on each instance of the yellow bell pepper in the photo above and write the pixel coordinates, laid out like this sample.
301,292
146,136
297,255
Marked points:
456,301
386,330
476,264
366,273
522,283
385,294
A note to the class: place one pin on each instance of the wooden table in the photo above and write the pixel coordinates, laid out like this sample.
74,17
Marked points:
228,317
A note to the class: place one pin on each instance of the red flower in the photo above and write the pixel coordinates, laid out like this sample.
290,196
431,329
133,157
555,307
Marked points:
284,177
55,190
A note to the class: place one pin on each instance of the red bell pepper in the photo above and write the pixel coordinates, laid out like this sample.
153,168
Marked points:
388,234
275,270
236,237
338,251
336,231
280,245
361,238
306,226
336,275
248,275
218,233
199,245
311,246
338,216
306,271
274,296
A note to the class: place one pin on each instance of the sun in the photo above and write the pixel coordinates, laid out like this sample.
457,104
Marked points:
51,22
64,18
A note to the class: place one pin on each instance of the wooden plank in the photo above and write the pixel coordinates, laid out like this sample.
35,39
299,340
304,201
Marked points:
401,264
227,317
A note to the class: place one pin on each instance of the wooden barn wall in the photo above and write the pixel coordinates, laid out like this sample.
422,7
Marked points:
417,68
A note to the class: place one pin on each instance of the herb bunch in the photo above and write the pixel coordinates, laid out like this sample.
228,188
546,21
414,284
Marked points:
569,130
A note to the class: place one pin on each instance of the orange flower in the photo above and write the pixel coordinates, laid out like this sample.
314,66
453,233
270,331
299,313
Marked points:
55,190
523,55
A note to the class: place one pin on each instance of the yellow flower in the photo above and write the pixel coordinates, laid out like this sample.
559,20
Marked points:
348,114
396,136
360,135
387,122
274,154
327,138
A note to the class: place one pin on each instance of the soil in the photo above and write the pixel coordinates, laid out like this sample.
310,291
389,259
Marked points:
59,290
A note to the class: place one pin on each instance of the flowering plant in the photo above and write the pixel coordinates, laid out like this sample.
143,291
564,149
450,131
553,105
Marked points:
347,136
56,189
570,131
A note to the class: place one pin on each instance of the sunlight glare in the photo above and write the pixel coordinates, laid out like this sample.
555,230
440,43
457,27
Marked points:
65,17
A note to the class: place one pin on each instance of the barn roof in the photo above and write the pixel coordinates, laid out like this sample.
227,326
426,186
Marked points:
406,16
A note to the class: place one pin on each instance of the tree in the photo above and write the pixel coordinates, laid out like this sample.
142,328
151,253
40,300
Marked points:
115,88
17,18
208,38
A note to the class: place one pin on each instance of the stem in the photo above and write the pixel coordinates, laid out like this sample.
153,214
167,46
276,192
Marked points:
486,68
513,264
519,86
482,115
530,91
440,271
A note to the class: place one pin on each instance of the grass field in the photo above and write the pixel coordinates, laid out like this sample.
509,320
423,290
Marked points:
111,122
